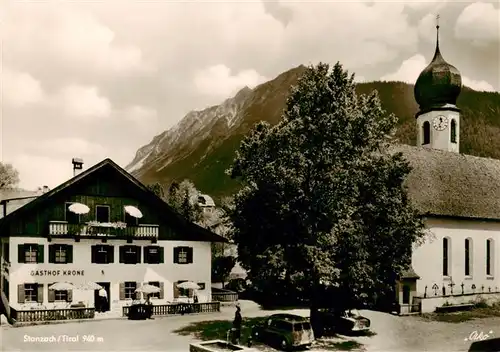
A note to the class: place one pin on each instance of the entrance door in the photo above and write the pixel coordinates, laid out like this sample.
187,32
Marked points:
100,304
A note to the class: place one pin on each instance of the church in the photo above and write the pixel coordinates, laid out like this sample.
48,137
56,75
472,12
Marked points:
459,197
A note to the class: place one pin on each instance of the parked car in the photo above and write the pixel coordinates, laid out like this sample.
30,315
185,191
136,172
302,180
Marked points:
341,320
284,331
490,345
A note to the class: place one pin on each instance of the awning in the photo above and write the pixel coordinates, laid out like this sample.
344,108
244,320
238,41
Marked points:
133,211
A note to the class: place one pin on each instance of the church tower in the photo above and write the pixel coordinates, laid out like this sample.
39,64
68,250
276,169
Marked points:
436,92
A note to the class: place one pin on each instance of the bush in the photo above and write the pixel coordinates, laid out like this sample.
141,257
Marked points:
481,303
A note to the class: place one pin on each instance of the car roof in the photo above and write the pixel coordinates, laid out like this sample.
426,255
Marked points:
289,317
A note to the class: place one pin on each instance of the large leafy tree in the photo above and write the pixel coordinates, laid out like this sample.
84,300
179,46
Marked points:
9,177
323,200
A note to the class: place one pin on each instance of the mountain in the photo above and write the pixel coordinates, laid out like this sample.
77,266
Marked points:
202,145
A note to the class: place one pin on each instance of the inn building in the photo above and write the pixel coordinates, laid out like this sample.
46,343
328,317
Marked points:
120,236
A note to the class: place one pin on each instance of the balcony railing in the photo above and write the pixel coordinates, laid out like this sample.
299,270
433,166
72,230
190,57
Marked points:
61,228
24,316
181,308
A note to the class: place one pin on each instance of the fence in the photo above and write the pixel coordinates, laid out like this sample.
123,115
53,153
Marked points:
181,308
52,314
225,296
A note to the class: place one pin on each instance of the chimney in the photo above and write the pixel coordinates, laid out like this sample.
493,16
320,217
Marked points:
77,166
45,189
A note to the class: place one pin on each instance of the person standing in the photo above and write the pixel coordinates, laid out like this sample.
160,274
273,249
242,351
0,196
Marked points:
237,324
103,299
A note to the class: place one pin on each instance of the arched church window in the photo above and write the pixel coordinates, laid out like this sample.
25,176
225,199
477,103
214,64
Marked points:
490,257
426,129
453,131
468,256
446,256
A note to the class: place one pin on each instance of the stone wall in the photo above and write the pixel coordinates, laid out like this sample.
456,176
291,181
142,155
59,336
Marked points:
429,304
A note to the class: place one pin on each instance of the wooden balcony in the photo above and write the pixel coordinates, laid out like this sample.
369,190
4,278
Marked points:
106,230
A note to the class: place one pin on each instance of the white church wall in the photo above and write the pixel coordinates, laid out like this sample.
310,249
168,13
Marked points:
427,259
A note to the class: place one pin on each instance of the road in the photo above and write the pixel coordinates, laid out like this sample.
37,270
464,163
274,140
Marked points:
392,333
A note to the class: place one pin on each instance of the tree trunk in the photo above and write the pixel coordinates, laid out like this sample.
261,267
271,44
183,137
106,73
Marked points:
315,300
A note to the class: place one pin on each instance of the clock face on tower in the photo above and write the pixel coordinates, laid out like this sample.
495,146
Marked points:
440,122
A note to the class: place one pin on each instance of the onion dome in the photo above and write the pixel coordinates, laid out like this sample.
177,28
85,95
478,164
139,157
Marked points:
439,84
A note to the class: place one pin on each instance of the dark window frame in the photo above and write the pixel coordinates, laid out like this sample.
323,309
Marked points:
446,256
489,256
98,206
151,258
453,131
102,254
126,255
468,257
33,288
129,289
426,131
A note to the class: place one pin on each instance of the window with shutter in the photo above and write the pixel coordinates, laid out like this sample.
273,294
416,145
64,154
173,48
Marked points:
157,284
184,255
58,253
176,255
152,254
129,290
176,290
102,254
69,296
69,254
130,254
93,254
111,254
182,291
40,258
39,293
51,294
31,253
21,290
122,291
162,290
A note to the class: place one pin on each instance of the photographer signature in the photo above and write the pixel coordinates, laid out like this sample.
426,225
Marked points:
478,336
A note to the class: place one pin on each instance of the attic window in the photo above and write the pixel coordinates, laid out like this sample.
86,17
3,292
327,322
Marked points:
202,200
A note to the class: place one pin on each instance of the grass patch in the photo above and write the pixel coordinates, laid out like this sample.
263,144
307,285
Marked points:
217,329
481,310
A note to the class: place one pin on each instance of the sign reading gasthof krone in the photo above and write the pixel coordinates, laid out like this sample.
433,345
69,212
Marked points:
57,272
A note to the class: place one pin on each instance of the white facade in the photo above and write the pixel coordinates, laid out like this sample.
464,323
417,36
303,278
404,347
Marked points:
428,260
82,270
440,134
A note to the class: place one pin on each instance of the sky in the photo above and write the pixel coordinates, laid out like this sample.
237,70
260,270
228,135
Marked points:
97,79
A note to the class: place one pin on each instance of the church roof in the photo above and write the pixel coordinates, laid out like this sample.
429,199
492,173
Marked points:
452,184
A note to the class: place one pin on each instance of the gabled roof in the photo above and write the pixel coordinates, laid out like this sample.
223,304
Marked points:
451,184
195,231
